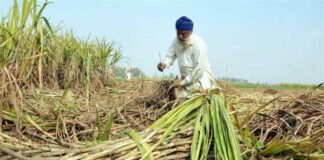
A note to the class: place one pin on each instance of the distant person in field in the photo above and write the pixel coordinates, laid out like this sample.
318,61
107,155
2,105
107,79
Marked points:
128,74
191,52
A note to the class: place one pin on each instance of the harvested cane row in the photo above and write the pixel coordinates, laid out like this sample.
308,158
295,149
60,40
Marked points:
64,117
295,129
176,148
302,117
43,141
160,137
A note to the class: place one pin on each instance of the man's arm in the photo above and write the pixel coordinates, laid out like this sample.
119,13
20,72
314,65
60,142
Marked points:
169,59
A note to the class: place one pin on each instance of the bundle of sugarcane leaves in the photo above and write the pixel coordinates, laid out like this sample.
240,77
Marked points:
212,127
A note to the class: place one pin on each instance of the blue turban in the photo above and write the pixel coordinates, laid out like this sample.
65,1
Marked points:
184,24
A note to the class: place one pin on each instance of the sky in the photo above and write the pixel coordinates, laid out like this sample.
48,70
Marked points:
273,41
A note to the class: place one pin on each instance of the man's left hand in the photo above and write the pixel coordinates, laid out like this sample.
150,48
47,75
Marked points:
177,85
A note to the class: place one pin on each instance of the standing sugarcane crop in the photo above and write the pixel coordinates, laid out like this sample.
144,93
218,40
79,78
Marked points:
191,52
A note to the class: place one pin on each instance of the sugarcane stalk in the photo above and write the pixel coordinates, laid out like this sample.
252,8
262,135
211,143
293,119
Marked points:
12,153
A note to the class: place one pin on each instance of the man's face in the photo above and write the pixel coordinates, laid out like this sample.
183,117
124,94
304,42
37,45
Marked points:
183,35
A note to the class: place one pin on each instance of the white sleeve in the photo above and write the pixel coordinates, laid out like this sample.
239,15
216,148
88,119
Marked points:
201,64
170,56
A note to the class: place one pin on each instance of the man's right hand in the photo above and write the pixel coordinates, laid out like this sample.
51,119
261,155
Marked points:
161,66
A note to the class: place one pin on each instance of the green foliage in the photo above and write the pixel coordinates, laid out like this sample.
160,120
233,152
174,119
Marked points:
35,53
141,145
282,86
136,72
120,72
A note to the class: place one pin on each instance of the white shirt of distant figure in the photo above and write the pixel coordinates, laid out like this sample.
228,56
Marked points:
128,74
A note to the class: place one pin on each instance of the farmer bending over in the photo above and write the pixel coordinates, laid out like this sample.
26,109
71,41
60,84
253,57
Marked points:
191,52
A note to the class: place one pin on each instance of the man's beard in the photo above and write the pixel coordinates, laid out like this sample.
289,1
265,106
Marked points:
184,41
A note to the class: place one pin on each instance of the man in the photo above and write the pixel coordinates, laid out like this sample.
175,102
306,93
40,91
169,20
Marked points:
128,74
191,52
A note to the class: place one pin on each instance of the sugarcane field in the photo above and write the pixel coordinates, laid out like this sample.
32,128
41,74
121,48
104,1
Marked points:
71,97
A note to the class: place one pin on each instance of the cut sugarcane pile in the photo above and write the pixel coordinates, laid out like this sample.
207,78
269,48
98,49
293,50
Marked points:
296,128
297,119
63,116
171,136
123,148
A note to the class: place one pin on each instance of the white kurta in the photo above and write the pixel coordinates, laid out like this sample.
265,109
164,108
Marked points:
193,63
128,74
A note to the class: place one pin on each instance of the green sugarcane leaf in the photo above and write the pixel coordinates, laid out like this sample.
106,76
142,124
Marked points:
141,145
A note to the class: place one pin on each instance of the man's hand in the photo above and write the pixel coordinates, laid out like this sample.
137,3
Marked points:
161,66
177,85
